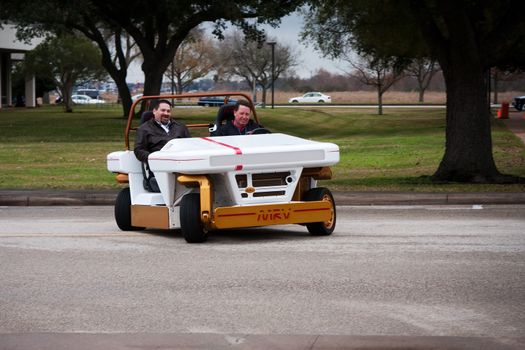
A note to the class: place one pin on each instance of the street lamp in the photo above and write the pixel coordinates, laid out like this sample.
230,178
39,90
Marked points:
272,44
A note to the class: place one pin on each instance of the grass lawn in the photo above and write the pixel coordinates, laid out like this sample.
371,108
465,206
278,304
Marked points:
46,148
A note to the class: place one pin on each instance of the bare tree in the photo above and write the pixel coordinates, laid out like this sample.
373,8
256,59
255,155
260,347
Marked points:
501,76
195,58
381,73
122,48
423,70
252,61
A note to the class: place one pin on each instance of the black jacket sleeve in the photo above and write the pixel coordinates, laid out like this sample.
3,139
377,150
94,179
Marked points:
141,145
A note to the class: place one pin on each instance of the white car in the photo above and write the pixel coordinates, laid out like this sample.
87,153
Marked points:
311,97
212,183
85,100
136,97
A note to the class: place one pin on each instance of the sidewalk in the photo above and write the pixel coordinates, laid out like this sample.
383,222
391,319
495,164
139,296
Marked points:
204,341
79,198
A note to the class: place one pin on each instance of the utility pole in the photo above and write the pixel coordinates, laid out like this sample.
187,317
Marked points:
254,89
272,44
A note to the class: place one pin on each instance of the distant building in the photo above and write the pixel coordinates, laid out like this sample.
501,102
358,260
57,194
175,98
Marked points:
13,50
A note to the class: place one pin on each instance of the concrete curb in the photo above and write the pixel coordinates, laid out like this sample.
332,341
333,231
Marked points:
56,197
84,197
427,198
58,341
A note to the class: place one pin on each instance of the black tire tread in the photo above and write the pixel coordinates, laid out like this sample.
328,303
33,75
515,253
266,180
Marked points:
319,228
190,219
123,211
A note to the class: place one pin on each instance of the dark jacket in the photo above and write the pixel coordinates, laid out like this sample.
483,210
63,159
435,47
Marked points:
152,137
229,129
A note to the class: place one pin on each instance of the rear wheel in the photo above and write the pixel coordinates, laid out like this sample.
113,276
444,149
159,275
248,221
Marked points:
190,219
123,211
321,228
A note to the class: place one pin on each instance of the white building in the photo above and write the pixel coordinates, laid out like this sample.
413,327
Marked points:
13,50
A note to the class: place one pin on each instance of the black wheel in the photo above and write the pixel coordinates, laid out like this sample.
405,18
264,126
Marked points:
321,101
123,211
190,219
321,228
295,101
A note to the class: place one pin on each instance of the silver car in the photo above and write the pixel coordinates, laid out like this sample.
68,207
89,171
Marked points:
85,100
311,97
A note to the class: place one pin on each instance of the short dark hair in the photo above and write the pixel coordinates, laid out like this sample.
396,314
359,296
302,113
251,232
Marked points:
242,103
158,102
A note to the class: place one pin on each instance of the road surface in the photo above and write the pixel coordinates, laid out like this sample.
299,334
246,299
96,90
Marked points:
414,271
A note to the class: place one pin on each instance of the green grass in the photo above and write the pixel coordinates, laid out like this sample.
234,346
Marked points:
398,151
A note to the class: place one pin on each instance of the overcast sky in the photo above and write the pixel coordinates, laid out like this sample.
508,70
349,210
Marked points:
287,33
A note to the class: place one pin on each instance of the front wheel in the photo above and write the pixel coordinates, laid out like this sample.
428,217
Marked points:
321,228
190,219
123,211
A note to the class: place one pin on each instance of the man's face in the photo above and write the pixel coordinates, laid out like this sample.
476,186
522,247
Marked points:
242,116
162,113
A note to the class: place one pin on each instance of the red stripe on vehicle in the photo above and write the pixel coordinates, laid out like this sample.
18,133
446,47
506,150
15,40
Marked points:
177,160
237,149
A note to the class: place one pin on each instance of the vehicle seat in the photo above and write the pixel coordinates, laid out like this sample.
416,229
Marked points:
224,114
149,182
146,115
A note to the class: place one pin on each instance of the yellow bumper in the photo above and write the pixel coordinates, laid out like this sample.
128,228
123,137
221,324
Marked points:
272,214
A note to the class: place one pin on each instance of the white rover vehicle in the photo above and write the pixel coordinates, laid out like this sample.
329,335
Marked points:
213,183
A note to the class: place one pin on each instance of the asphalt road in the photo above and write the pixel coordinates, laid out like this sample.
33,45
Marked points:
414,271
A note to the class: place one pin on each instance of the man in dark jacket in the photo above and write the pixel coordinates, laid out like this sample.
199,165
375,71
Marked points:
242,124
156,132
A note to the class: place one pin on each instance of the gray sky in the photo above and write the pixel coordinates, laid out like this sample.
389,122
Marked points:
310,60
287,33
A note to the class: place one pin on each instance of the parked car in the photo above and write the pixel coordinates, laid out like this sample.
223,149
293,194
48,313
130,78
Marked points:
93,93
136,97
85,100
214,101
311,97
519,103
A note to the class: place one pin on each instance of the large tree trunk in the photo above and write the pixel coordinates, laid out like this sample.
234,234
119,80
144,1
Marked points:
264,89
495,87
154,69
421,94
124,94
152,81
379,101
67,90
119,77
468,152
118,74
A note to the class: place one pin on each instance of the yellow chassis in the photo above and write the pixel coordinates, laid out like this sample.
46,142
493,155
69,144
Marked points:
296,212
